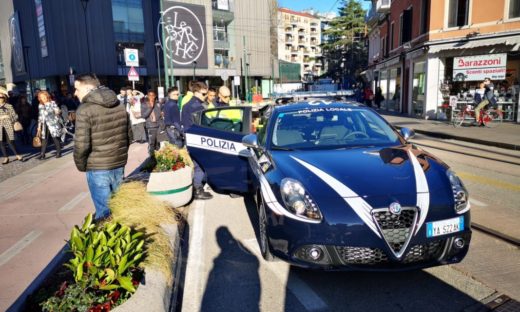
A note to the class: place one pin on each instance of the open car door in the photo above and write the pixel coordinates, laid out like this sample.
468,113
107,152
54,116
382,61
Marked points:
215,143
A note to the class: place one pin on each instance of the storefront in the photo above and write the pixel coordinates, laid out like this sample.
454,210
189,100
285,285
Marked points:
390,82
457,69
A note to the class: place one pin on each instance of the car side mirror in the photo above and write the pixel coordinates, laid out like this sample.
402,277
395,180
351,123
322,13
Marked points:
407,133
250,141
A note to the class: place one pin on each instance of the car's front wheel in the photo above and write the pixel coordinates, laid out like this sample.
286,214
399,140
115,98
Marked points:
262,231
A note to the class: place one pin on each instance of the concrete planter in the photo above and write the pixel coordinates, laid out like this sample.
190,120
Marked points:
174,187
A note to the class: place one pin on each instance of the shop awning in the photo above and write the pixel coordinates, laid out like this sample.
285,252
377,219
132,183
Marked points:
469,44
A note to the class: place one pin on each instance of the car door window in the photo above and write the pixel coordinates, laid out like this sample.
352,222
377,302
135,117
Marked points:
229,119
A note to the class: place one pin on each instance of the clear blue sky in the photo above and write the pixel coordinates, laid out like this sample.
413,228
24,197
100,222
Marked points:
319,5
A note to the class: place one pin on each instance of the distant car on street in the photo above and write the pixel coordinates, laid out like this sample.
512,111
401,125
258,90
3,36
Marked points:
336,186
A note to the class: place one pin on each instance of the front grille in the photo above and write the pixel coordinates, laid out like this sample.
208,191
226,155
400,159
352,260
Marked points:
375,256
426,252
396,228
361,255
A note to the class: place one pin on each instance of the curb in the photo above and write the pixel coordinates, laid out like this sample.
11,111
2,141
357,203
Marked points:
465,139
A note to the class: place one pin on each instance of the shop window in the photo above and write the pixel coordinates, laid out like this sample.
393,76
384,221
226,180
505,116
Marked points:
383,84
418,89
514,8
458,13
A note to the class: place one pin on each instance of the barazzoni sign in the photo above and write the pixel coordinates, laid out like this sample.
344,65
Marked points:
184,27
479,67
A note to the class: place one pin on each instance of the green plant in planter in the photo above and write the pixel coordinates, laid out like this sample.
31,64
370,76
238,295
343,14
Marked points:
103,256
171,158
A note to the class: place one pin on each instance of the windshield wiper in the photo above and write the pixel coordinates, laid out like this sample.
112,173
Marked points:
278,148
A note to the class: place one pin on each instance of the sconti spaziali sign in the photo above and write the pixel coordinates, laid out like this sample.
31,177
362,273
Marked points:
476,68
184,27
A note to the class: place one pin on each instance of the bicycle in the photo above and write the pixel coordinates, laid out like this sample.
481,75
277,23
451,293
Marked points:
490,117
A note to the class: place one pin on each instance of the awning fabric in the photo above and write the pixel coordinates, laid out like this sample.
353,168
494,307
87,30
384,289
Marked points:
469,44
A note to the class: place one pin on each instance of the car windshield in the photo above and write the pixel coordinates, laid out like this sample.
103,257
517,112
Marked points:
331,127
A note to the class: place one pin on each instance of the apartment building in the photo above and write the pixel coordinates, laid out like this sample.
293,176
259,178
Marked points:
299,39
421,52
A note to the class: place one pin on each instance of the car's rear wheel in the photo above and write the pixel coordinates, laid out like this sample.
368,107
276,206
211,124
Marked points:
263,241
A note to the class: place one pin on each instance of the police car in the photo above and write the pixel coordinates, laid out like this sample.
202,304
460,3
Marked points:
336,186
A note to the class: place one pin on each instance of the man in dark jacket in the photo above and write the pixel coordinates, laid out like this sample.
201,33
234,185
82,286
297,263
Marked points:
172,117
195,104
102,140
151,111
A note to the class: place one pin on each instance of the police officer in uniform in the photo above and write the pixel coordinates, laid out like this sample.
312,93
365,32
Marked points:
195,104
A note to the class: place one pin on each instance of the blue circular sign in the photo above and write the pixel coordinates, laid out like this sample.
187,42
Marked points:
131,57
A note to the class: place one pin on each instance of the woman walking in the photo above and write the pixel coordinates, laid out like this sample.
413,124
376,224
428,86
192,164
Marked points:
7,118
23,109
48,123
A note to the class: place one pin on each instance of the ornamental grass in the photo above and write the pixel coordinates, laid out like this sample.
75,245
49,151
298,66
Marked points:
133,206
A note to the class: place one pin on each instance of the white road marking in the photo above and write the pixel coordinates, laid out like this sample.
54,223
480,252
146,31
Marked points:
73,202
18,247
473,201
305,294
195,268
36,181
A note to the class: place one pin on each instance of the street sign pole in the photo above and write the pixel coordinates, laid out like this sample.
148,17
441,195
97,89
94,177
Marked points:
165,57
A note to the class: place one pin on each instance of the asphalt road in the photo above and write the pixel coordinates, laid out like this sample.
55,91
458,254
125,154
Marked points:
225,272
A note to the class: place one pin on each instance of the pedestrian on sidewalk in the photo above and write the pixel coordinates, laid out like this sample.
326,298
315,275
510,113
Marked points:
102,139
195,104
134,110
7,119
378,98
49,124
151,112
23,109
368,96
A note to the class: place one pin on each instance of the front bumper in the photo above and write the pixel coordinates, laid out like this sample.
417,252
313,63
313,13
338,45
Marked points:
352,246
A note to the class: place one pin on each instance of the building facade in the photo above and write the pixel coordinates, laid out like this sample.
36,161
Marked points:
419,52
60,38
299,39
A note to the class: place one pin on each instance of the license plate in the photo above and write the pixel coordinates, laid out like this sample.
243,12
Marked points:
444,227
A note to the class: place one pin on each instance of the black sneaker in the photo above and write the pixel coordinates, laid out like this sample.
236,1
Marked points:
201,194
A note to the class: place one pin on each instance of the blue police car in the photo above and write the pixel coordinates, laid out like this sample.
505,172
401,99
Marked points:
336,186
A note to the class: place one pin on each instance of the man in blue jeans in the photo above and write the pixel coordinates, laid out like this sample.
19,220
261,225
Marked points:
103,135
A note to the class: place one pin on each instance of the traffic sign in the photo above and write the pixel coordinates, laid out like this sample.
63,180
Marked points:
131,57
133,75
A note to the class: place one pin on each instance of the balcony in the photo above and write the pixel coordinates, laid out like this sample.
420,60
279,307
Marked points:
383,6
288,30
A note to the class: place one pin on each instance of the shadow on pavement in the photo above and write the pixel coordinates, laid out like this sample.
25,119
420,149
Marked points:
233,283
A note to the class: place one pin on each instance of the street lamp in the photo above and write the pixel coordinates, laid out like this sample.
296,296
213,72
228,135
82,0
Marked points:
28,64
194,67
158,48
84,4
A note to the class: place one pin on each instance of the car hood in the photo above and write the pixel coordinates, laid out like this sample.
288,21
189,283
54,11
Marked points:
368,172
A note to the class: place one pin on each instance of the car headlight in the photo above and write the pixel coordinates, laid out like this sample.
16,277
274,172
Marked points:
298,201
460,194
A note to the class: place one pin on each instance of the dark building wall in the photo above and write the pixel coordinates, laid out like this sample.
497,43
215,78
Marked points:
67,44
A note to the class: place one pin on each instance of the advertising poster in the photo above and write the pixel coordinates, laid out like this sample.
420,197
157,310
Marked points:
15,37
476,68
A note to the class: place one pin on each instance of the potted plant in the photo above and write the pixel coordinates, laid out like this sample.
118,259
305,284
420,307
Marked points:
172,177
